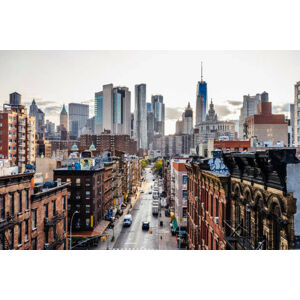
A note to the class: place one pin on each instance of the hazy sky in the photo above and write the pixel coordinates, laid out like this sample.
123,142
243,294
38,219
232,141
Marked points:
57,77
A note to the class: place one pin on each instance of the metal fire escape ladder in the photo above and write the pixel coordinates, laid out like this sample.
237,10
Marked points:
234,237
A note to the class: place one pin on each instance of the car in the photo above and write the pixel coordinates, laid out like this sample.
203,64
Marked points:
145,225
142,191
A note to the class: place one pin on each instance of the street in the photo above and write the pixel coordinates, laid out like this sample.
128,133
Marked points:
133,237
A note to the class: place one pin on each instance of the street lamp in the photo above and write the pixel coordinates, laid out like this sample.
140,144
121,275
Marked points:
75,212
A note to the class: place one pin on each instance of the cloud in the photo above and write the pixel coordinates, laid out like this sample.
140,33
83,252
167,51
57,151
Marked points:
234,102
281,109
55,109
223,110
173,113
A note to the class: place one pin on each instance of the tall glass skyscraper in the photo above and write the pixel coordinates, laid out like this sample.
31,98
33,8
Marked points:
158,108
112,110
98,112
201,99
78,116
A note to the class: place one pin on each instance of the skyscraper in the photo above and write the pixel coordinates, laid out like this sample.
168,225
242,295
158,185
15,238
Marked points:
292,122
158,108
140,116
112,110
39,116
150,124
201,99
78,116
297,115
249,108
187,118
64,118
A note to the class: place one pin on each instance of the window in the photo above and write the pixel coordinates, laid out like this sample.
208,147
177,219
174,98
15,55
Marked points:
212,205
87,222
217,207
2,238
184,212
54,232
87,193
34,218
20,234
217,245
206,198
34,245
27,199
20,201
65,225
54,207
46,210
26,230
2,207
184,194
77,181
64,202
184,179
211,241
87,209
12,204
11,238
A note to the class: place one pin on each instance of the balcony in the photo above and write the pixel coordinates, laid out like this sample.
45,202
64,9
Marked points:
56,243
55,219
7,223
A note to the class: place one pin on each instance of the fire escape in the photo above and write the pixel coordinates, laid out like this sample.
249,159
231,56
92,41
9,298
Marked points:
8,223
238,238
57,239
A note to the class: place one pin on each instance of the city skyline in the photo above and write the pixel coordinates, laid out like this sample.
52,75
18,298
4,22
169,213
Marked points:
58,77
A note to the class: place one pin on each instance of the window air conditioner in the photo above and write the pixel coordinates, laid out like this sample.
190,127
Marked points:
217,220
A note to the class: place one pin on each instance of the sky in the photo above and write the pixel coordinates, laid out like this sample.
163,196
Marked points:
55,78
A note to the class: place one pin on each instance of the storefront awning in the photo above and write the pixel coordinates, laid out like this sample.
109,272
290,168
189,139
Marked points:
174,223
97,231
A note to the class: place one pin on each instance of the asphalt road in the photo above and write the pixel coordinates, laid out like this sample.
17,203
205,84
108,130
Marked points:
133,237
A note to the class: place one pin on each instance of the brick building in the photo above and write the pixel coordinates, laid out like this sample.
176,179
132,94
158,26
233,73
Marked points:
208,207
22,214
265,126
232,146
15,211
108,142
49,217
17,133
86,196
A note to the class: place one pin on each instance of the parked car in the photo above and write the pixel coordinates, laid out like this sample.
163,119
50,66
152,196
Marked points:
146,225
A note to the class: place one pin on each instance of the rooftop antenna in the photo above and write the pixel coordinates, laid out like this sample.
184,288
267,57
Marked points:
201,72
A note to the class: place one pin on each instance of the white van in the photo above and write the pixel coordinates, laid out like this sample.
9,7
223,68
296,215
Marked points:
127,221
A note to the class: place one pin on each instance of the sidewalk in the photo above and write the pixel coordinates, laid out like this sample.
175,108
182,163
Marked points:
166,240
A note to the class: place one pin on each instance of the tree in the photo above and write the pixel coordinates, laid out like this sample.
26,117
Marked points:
144,163
157,169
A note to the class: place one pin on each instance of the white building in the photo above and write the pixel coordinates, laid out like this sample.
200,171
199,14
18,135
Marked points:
179,184
140,116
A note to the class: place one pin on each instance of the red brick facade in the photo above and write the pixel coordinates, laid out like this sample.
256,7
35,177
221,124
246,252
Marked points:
207,208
